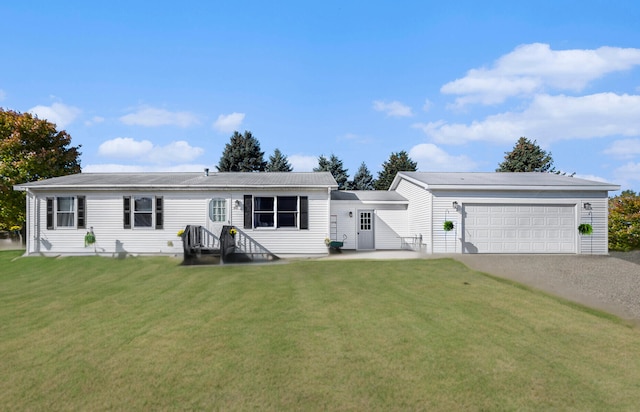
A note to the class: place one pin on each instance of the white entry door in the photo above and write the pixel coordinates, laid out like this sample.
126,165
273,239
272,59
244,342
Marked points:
528,228
365,230
217,214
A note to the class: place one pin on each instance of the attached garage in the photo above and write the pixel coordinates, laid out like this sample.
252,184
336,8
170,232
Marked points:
505,212
508,228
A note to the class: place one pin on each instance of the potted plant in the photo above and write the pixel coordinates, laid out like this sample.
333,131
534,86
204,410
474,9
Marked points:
447,226
89,238
233,231
585,229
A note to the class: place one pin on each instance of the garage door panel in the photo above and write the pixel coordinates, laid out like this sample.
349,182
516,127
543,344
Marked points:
520,228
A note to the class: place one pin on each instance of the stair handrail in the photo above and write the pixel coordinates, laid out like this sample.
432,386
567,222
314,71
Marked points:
240,242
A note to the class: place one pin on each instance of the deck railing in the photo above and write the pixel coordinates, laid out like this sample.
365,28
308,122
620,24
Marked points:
237,246
197,240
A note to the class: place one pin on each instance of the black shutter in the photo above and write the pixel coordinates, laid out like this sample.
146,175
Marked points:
159,219
82,214
304,212
50,213
127,212
248,211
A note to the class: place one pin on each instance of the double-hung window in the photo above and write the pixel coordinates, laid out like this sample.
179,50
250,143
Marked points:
66,212
143,212
276,212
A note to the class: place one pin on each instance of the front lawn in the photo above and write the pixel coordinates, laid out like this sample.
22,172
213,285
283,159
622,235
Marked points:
146,333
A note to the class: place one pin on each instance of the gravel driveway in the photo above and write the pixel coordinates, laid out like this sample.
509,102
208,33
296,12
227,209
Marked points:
610,283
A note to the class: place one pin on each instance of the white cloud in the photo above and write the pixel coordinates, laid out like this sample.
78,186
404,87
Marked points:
146,152
626,174
532,68
432,158
624,149
227,123
3,94
428,104
94,120
592,177
125,147
547,119
393,109
179,151
302,163
151,117
58,113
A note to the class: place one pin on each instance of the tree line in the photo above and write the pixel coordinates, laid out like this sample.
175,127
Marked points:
243,154
33,149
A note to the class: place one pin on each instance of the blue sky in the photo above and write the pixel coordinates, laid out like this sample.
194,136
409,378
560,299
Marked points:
161,86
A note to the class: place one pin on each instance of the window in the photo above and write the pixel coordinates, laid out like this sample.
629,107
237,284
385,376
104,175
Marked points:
263,212
287,211
276,212
218,210
143,212
66,212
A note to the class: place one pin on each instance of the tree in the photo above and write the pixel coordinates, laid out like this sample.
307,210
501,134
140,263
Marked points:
526,156
624,221
30,149
335,166
242,154
278,163
398,162
363,180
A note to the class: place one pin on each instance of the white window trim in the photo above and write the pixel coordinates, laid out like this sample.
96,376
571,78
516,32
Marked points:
275,214
133,212
56,211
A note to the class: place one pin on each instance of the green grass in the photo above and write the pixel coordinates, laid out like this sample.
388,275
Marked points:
145,333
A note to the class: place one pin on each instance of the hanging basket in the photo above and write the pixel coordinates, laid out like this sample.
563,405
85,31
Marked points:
585,229
447,226
89,239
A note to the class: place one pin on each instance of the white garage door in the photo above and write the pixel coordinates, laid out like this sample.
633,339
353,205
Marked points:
505,228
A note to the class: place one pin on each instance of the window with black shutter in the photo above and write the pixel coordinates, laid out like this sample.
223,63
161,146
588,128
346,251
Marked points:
127,212
50,213
159,210
304,212
82,214
248,211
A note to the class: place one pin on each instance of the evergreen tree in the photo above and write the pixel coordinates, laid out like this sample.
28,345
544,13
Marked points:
278,163
335,166
30,149
527,156
242,154
363,180
398,162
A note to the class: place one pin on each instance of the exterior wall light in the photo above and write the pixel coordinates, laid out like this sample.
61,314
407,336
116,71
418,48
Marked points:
455,205
350,213
587,206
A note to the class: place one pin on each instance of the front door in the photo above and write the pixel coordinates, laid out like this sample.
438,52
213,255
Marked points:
365,230
217,214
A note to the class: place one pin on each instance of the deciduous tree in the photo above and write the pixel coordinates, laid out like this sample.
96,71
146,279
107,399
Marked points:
526,156
30,149
242,154
624,221
335,166
398,162
278,162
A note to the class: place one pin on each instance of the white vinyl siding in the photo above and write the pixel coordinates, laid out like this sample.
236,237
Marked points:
105,214
452,242
419,212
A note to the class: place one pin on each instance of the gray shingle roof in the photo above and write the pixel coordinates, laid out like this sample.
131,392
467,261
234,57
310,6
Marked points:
185,180
370,196
509,181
